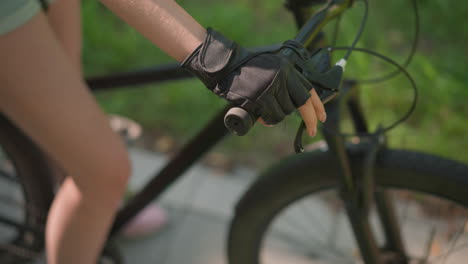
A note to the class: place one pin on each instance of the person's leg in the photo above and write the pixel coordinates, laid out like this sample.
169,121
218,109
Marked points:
64,18
43,93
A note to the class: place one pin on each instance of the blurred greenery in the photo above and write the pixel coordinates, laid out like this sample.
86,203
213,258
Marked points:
181,108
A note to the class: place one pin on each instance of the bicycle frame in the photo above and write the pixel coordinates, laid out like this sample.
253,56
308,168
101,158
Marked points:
357,191
214,132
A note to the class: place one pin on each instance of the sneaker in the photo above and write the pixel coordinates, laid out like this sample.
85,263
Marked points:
149,221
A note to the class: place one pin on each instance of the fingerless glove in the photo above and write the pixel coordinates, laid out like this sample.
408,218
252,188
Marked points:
265,84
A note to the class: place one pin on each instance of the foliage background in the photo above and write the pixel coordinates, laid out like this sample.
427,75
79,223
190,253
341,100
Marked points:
177,110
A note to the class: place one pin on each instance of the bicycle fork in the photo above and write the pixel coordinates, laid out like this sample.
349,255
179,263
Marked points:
358,190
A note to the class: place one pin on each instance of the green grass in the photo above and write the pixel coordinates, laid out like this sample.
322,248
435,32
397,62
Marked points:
181,108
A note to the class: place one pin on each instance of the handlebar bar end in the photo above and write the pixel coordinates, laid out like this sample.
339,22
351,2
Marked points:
238,121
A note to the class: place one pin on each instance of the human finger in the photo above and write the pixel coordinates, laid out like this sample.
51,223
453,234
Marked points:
318,106
264,123
308,115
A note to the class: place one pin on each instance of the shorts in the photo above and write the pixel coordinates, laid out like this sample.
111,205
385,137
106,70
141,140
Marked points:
14,13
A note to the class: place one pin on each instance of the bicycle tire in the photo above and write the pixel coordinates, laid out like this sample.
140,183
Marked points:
309,173
33,173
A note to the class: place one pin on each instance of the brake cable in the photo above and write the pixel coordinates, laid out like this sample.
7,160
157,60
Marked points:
400,69
361,29
408,60
410,56
298,143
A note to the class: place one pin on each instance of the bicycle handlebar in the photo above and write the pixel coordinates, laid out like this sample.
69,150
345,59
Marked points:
237,119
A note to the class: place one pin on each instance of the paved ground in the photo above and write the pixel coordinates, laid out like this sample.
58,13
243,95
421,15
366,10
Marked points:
200,206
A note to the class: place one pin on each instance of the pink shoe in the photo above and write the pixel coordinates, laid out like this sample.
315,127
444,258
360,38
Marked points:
150,220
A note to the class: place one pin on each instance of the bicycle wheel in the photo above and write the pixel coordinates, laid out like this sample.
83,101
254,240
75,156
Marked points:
26,193
293,213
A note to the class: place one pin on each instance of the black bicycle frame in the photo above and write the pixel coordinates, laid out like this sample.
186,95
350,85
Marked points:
209,136
215,130
357,190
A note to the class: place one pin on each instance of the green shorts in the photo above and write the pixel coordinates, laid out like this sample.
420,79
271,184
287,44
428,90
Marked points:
14,13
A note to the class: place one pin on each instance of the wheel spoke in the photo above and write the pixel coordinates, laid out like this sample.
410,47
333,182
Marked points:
19,251
452,247
10,201
296,231
292,220
299,243
295,225
429,245
452,244
421,214
458,248
7,176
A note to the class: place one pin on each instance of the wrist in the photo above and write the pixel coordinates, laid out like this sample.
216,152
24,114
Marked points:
209,60
193,42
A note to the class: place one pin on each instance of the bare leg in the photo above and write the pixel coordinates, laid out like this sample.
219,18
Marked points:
64,18
43,92
65,21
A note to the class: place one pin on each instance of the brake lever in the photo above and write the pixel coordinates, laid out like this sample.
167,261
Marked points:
326,81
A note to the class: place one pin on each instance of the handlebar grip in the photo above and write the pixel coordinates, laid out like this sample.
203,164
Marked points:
238,121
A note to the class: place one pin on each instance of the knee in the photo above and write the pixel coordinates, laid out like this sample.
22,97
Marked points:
111,178
118,172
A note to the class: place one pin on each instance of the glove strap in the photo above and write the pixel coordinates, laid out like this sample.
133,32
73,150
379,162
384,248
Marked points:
209,60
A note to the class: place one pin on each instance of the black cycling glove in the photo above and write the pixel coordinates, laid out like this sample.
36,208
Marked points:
264,84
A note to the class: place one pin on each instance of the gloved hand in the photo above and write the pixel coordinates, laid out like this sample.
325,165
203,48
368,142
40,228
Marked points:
266,84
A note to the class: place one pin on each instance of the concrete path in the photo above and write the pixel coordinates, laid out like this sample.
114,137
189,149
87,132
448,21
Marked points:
200,206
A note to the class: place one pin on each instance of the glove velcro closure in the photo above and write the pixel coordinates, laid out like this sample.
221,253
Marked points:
209,61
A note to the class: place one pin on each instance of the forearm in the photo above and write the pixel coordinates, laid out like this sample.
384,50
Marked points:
163,22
